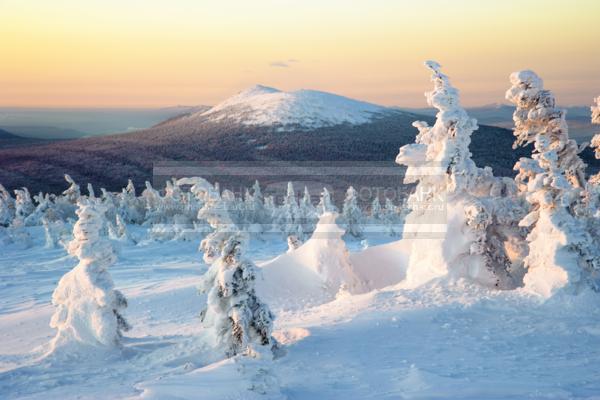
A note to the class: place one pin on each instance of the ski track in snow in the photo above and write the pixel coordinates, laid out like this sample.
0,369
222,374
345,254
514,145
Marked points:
441,340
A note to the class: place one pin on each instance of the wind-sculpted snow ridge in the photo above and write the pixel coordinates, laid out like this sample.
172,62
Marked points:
265,106
318,270
464,218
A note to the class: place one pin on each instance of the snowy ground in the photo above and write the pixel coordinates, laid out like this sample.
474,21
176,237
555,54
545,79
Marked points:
441,340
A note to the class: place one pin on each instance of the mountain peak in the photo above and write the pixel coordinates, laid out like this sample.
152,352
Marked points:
267,106
259,89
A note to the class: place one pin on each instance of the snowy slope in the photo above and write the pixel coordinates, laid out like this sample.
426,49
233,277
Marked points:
446,339
265,106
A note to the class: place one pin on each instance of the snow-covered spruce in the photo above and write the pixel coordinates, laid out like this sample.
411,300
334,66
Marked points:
595,180
55,232
293,242
131,207
118,231
88,308
351,214
7,207
24,206
238,320
215,213
461,215
561,250
596,111
325,203
307,214
287,215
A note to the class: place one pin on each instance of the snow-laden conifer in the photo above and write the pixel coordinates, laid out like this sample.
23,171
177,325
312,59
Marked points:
595,180
456,208
88,308
307,215
287,214
238,320
325,203
235,316
561,250
352,214
216,214
7,207
23,204
293,242
131,208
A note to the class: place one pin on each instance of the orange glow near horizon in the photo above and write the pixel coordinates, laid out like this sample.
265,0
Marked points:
161,53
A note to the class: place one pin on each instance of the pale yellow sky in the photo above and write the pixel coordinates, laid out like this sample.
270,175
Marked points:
161,53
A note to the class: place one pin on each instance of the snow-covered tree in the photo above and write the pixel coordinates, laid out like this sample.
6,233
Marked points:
391,218
72,193
44,206
287,214
119,231
255,214
325,204
352,214
561,250
91,192
110,203
595,180
270,212
55,232
7,207
154,212
216,214
376,212
130,207
293,242
88,307
307,214
238,319
23,204
596,111
450,208
17,235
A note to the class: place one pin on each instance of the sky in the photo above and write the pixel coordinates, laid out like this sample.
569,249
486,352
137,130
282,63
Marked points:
155,53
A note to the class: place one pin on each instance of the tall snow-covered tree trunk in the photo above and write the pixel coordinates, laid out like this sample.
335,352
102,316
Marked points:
561,250
88,308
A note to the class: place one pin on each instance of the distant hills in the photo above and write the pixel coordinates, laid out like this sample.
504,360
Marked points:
75,123
259,124
578,118
10,140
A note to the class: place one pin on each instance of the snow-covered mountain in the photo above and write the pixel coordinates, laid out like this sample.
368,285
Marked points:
265,106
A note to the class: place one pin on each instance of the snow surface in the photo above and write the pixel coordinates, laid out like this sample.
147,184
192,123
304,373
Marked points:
447,338
265,106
